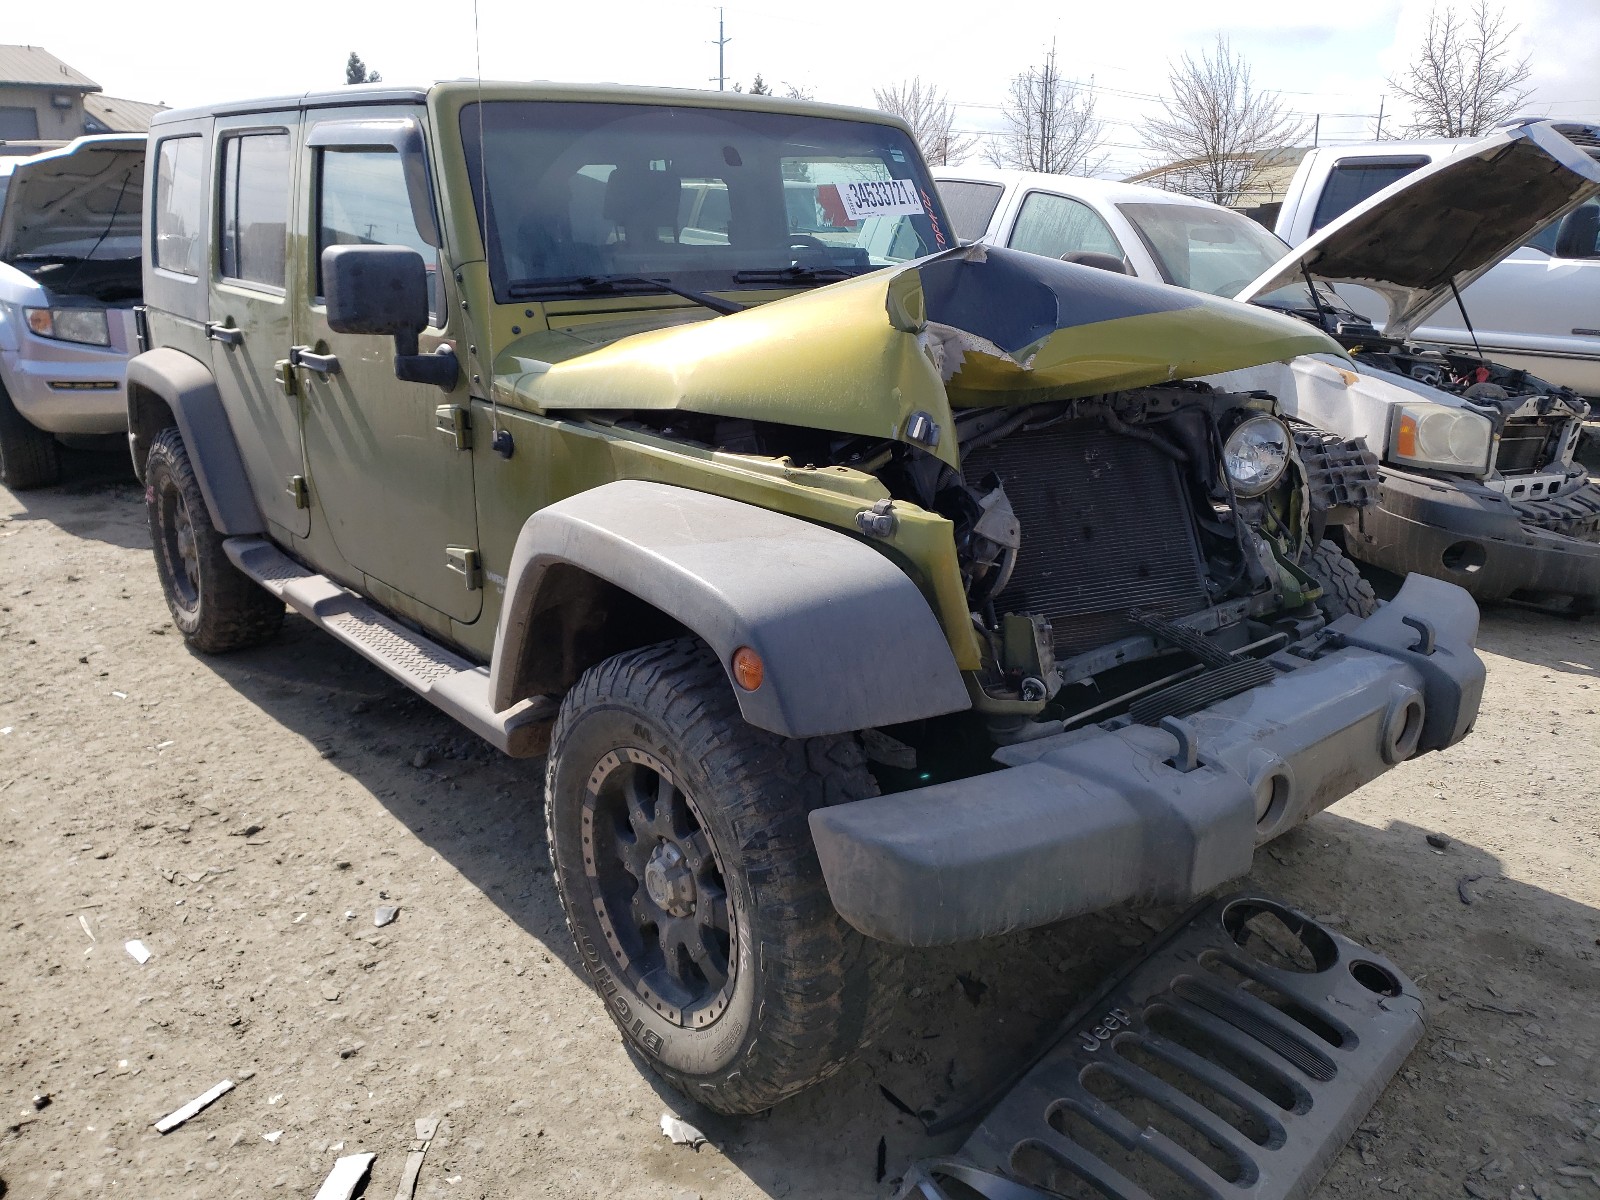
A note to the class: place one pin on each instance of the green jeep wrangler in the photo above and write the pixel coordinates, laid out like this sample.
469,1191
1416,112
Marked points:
862,588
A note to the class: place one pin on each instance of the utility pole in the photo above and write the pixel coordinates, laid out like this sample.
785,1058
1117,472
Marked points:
1378,135
1316,130
722,40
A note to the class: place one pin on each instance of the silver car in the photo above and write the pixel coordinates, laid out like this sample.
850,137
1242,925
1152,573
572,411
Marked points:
69,282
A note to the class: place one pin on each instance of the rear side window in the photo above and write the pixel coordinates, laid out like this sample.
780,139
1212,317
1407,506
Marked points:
1056,226
971,206
362,201
255,208
1353,180
178,240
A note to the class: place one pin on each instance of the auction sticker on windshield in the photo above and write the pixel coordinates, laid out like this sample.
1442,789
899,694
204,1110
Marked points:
880,198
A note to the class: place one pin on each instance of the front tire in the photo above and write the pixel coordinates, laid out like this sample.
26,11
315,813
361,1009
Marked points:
1344,591
29,457
215,606
685,865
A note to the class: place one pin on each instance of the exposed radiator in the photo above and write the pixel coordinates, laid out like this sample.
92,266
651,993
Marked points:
1105,528
1528,444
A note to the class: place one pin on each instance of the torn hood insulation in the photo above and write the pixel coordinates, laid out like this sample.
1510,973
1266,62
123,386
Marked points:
1449,221
88,190
974,326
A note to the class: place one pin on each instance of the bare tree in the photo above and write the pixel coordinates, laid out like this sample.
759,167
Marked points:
1050,124
1217,125
1463,82
799,91
931,116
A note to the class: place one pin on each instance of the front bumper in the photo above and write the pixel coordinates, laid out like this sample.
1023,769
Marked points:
1471,535
1093,817
75,390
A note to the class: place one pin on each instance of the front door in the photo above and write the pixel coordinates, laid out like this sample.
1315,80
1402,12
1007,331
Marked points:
394,489
250,326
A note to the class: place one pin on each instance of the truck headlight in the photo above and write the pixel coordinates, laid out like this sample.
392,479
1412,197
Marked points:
86,325
1435,435
1255,454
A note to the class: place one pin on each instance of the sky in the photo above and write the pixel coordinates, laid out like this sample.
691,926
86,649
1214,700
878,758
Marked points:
1328,61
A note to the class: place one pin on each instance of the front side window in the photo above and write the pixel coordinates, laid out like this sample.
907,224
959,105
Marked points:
362,201
1354,180
971,206
1058,226
179,244
1208,249
255,207
705,196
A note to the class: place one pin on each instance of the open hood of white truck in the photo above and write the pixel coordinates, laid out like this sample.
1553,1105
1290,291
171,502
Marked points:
69,201
1449,222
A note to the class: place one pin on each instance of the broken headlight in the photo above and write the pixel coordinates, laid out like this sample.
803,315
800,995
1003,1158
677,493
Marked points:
1255,454
86,325
1425,434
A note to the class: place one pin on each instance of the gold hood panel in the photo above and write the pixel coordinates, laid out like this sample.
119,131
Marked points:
970,327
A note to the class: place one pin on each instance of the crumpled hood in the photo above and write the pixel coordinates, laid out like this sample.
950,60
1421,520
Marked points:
1449,221
973,326
69,195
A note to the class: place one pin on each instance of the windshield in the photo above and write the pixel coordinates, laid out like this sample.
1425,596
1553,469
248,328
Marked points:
1207,249
701,196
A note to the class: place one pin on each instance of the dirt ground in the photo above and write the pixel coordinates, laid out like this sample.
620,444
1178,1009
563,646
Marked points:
244,816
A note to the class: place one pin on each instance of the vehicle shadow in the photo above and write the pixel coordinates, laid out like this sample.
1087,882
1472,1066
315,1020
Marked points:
98,498
1503,1086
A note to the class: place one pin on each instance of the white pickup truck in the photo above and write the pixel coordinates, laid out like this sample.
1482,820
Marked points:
1479,485
1538,308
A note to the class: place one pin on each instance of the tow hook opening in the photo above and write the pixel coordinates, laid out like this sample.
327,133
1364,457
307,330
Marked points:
1466,557
1402,727
1374,978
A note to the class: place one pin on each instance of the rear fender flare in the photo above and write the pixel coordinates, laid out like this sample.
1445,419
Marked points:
846,639
184,385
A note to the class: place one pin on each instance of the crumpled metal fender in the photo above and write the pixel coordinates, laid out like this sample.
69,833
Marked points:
973,326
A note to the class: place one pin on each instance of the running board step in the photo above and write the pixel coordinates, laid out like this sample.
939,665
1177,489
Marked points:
445,679
1208,1067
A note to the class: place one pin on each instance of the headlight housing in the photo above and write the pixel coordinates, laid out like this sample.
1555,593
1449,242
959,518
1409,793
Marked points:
1256,454
1425,434
86,325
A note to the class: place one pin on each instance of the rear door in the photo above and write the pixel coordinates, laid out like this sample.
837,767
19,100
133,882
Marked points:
395,489
252,297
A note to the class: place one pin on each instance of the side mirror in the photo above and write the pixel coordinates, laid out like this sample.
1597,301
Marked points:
1103,262
384,290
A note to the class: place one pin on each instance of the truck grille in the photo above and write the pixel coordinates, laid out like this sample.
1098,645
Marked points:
1527,444
1106,528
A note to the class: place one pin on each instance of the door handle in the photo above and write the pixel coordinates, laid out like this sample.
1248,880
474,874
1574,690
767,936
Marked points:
322,364
228,335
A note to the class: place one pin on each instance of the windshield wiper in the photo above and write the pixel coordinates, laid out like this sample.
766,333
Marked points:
793,274
526,289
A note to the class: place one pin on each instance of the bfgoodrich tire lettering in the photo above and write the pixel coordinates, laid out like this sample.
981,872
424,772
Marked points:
213,604
795,991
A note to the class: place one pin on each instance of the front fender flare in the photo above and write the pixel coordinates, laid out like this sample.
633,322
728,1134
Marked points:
186,385
847,639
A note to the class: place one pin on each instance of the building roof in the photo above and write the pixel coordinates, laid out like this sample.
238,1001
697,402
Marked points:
121,116
34,66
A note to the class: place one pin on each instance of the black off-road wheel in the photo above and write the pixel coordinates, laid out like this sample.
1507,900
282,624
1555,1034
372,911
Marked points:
1344,591
686,868
29,457
214,605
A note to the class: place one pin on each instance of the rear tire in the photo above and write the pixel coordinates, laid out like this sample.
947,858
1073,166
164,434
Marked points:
29,457
728,969
1344,591
215,606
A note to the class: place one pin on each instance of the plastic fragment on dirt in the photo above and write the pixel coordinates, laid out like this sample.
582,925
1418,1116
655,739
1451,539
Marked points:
426,1127
385,915
139,951
347,1173
178,1116
84,921
273,1136
681,1132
